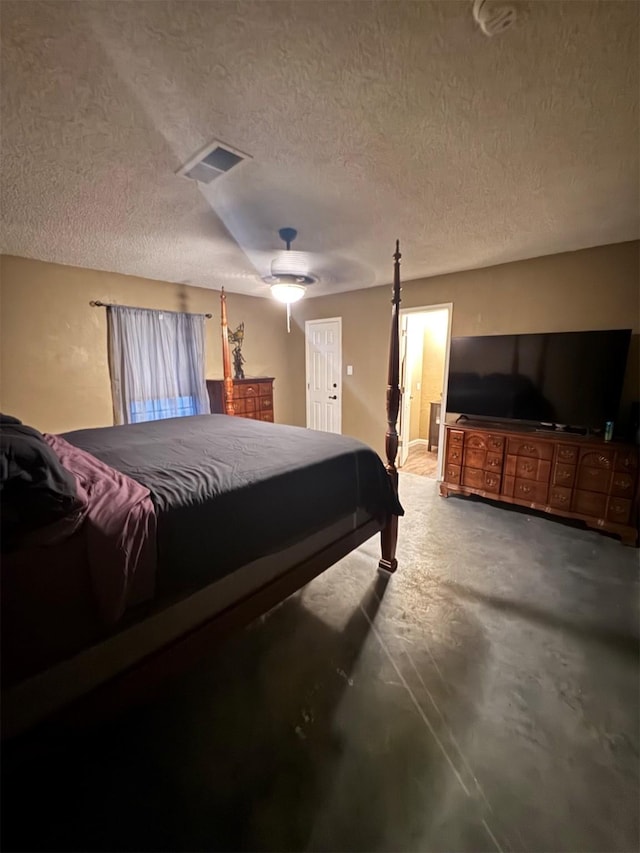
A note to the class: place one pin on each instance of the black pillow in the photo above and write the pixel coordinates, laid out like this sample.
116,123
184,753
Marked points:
35,489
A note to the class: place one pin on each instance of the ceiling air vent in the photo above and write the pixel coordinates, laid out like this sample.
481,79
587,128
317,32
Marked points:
213,161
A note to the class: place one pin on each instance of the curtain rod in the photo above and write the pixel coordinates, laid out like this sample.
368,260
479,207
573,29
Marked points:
96,303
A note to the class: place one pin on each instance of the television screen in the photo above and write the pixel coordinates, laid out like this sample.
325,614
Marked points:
569,378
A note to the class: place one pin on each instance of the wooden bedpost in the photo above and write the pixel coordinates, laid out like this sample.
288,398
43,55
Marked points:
389,535
226,357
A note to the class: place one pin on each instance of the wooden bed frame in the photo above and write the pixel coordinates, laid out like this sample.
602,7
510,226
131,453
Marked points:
146,676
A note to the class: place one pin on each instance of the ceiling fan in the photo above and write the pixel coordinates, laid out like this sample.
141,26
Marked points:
290,273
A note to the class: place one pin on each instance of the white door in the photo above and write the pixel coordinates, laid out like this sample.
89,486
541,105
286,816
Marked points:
405,391
324,374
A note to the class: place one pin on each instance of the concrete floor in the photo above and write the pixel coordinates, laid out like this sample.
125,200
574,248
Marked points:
485,698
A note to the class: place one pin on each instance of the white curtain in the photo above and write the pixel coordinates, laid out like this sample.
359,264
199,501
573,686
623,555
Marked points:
156,360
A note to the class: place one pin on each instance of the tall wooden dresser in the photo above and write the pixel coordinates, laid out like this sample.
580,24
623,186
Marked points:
559,473
252,398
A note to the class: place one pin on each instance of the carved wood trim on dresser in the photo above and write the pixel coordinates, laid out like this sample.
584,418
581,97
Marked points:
561,474
252,398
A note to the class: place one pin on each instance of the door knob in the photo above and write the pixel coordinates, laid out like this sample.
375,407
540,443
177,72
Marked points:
333,397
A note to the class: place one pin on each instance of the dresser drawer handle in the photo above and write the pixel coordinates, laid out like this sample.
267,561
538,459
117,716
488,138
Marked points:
564,475
495,442
617,509
626,462
492,481
494,463
528,467
566,454
528,448
622,484
524,488
455,454
562,499
451,473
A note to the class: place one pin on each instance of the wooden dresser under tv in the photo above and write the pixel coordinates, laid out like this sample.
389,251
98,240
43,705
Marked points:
252,398
559,473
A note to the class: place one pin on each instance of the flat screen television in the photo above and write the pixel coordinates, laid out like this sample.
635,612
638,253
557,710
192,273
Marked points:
563,378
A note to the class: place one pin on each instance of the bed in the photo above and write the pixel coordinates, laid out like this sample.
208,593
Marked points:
221,519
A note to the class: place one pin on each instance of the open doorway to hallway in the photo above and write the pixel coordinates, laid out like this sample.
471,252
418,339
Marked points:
426,334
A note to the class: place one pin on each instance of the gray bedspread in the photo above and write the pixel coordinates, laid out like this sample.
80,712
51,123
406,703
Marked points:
229,490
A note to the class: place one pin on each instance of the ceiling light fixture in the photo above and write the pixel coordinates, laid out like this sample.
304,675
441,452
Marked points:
290,273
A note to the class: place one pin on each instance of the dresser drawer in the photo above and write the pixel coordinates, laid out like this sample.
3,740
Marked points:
528,490
528,468
495,442
484,481
492,482
560,497
265,403
244,405
474,458
455,436
567,453
452,474
530,447
476,440
493,462
626,461
564,475
248,390
622,485
589,503
619,510
454,454
593,479
473,477
597,458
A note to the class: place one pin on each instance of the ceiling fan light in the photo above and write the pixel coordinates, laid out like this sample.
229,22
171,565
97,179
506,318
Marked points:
289,262
288,293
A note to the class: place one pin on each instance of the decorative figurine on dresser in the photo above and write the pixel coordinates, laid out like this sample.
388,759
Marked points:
237,339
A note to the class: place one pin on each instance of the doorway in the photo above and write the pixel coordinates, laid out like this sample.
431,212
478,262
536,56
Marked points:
424,365
323,359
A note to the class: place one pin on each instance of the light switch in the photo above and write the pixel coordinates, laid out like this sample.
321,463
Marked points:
349,370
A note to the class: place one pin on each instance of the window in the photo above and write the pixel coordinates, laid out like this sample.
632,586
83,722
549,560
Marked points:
156,360
156,410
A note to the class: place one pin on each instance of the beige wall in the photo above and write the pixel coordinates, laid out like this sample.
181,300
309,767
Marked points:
591,289
53,348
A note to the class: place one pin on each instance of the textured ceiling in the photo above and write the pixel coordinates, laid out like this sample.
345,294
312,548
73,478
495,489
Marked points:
366,121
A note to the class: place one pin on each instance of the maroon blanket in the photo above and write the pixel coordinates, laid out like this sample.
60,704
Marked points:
70,583
119,526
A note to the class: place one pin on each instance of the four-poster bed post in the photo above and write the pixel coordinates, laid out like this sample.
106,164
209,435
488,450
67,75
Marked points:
389,534
226,357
